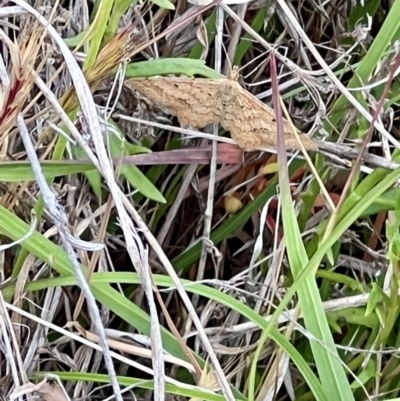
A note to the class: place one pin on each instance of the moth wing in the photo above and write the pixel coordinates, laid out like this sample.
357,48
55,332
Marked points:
252,124
191,100
199,102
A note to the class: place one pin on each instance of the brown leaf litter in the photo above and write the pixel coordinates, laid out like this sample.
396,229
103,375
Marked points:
198,102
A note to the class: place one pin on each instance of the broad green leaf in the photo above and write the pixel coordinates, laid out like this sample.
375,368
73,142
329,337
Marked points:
176,66
367,373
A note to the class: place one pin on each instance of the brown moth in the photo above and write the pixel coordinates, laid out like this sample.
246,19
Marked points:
198,102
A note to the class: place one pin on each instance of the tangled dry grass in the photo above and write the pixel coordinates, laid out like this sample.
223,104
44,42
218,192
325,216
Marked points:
142,259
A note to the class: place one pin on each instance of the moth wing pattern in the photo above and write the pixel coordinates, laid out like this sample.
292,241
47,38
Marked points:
198,102
188,99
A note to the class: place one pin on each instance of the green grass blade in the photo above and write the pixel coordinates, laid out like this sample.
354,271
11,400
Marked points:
199,289
176,66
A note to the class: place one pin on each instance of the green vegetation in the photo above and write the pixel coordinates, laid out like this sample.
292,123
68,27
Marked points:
291,264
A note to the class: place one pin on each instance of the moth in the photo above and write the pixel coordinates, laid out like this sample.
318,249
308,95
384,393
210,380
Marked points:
198,102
